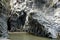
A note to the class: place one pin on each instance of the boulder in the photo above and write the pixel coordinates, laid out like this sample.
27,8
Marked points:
41,25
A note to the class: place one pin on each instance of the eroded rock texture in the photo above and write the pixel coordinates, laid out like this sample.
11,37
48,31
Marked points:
3,19
45,22
42,16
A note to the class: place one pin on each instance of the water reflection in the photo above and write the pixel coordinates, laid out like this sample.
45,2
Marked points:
26,36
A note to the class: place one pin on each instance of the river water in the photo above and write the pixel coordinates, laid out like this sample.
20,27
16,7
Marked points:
26,36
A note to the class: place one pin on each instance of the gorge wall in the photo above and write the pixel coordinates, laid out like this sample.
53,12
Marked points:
42,15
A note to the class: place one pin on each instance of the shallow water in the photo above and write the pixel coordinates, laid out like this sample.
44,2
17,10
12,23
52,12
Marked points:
26,36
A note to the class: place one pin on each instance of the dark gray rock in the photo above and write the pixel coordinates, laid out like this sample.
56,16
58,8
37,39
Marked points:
16,22
43,18
40,25
3,21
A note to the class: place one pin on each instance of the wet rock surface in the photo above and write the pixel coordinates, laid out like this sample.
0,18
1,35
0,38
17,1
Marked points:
16,22
44,23
3,20
42,16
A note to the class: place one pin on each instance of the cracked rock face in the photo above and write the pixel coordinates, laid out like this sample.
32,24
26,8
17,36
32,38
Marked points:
42,16
3,19
49,19
46,27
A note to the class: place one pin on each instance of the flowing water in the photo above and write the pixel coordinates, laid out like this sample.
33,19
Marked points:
26,36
